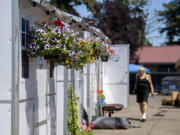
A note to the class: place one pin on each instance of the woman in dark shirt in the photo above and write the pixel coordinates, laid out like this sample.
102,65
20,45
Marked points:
142,87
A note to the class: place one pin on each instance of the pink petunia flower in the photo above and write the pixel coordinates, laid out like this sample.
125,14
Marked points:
91,125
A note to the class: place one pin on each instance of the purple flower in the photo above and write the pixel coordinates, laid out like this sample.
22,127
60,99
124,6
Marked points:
71,52
57,45
39,38
76,46
74,56
46,26
47,46
65,35
32,45
65,29
64,46
45,40
56,30
42,31
80,53
53,39
99,46
91,42
61,32
37,30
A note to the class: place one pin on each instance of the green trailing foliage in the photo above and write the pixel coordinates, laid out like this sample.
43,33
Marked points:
73,112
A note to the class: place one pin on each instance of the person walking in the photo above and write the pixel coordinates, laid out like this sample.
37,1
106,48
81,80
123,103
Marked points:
143,86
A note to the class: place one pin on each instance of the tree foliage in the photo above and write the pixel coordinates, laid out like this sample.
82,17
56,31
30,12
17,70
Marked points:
137,5
171,18
120,22
67,5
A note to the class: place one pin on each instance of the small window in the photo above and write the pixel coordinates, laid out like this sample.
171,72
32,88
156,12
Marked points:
23,25
27,39
25,64
51,69
23,40
25,32
27,26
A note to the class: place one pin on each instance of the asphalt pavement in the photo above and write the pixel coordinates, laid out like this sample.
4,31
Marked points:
161,120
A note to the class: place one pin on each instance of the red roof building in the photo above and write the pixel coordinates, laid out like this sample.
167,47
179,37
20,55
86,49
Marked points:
160,58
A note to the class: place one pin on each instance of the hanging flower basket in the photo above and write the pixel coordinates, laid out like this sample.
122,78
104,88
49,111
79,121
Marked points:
61,44
52,57
104,58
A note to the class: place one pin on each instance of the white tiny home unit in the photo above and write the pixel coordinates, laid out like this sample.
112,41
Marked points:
33,96
33,91
28,97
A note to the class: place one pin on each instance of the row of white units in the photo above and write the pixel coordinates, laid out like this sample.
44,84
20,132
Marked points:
33,97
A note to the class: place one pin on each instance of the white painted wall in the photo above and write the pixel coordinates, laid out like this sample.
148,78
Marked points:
6,66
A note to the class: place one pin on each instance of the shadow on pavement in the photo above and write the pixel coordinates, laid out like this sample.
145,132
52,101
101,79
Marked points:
134,119
169,107
160,113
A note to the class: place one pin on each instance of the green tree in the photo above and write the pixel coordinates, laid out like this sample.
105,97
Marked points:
121,22
171,18
67,5
90,5
137,5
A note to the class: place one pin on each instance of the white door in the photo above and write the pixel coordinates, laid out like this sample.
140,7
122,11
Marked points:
116,76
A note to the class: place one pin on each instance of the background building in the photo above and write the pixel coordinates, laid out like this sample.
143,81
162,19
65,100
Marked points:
161,60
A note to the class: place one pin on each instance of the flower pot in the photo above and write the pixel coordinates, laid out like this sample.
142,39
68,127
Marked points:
52,57
99,91
104,58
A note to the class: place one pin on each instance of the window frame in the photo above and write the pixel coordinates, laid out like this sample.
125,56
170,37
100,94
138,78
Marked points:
25,59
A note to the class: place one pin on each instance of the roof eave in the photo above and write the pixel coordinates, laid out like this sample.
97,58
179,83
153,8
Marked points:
68,18
156,63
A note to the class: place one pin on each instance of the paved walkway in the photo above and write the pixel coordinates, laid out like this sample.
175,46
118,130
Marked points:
162,120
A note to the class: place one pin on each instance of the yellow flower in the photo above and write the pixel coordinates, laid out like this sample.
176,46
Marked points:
79,43
77,57
91,53
81,64
89,59
67,61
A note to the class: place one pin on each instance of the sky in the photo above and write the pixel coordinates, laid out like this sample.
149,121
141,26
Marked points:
153,35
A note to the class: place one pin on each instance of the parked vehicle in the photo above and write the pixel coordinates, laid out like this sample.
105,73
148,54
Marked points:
170,84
